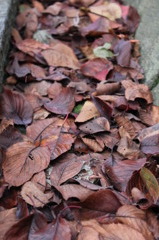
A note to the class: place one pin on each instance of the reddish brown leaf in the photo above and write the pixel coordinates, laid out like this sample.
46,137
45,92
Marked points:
34,196
64,170
22,161
15,106
62,103
97,68
53,133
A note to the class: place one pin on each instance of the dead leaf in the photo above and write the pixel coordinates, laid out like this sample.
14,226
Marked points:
122,51
34,196
15,106
96,125
88,112
97,68
60,55
54,133
134,90
62,103
64,170
22,160
74,191
150,182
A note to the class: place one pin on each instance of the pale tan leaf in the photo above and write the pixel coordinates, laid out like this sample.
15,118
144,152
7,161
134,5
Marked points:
88,112
88,232
34,196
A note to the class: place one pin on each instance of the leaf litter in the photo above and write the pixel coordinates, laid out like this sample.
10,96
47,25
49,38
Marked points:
79,133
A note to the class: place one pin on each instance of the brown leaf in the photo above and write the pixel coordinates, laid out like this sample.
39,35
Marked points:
93,144
99,203
121,231
152,220
96,125
149,139
38,87
97,68
151,183
34,196
31,46
74,191
7,129
54,90
121,171
107,88
87,112
64,170
123,52
22,160
54,9
7,220
134,90
97,28
128,149
15,106
39,179
86,232
150,116
134,218
62,103
53,133
60,55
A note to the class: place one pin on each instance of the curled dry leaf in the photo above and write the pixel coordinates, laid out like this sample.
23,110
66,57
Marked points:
34,196
128,149
22,161
15,106
150,116
134,90
62,103
97,68
54,133
96,125
39,179
123,52
38,87
107,88
87,112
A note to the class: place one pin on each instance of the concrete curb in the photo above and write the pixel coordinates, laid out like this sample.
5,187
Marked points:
7,14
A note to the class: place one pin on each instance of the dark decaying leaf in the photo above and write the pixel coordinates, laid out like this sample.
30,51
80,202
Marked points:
22,160
152,220
63,103
13,105
98,204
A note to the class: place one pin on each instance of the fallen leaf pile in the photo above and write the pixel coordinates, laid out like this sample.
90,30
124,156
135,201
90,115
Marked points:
79,134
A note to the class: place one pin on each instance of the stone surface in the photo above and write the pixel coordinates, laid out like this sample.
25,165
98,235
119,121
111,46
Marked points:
148,34
7,14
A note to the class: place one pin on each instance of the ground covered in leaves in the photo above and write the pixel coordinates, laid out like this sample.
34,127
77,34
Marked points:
79,134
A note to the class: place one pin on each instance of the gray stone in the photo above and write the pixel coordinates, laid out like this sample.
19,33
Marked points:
148,34
7,14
